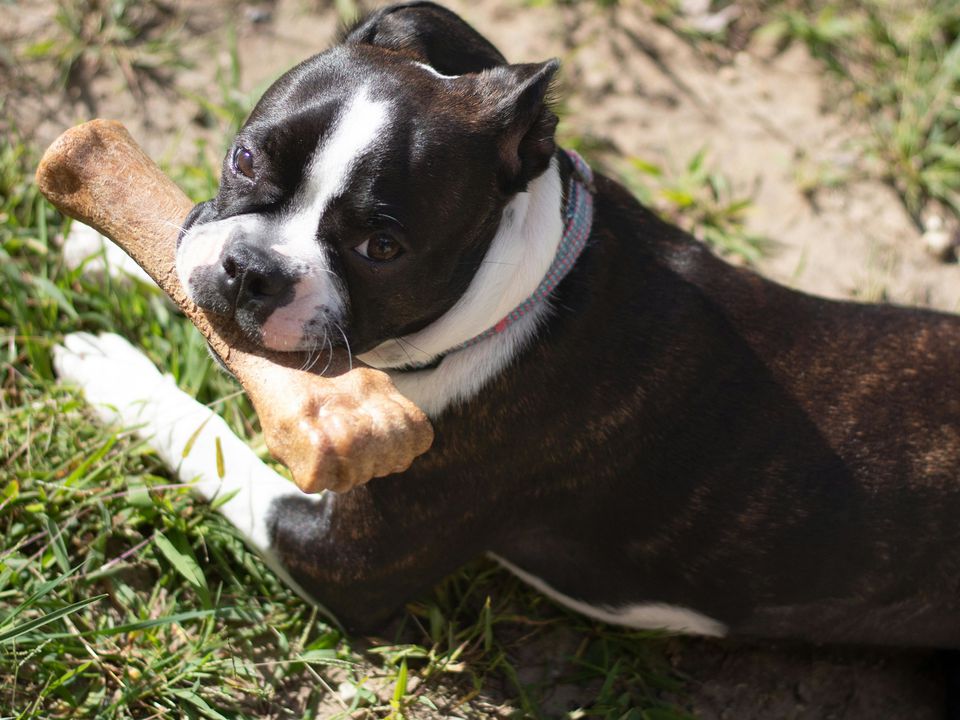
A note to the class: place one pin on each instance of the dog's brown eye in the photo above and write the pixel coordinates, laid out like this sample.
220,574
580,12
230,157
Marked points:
243,161
380,247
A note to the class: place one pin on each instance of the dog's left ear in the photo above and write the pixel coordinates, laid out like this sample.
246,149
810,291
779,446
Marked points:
515,99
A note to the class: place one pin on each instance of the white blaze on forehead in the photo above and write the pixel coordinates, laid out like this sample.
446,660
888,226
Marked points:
318,291
355,130
328,175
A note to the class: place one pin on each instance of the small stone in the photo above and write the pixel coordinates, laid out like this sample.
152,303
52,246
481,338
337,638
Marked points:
938,240
258,15
346,691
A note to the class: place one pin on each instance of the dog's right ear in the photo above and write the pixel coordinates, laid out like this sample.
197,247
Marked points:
430,34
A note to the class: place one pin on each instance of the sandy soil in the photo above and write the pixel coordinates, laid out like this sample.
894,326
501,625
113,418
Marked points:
650,94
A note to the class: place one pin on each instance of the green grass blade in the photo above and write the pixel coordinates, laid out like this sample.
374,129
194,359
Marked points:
26,627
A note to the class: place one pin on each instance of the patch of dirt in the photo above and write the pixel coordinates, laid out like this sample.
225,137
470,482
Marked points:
638,86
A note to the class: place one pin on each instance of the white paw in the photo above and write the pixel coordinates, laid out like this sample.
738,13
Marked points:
99,257
114,376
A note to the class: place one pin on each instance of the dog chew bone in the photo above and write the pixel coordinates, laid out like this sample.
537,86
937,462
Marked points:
332,432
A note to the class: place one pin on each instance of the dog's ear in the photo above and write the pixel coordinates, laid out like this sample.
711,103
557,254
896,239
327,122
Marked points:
429,33
514,99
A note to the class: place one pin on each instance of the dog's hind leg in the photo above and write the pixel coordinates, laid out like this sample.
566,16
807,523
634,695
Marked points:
125,388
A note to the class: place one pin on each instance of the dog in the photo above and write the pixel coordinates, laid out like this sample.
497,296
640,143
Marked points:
639,430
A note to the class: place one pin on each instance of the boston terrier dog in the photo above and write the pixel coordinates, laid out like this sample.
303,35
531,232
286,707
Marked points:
634,427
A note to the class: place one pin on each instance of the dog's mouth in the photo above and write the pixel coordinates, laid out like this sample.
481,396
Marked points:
289,316
282,297
316,339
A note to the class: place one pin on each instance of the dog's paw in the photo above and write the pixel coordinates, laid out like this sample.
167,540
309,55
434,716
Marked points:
99,256
115,377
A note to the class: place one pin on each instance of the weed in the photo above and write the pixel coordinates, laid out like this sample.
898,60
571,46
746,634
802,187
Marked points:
701,201
900,63
230,106
90,36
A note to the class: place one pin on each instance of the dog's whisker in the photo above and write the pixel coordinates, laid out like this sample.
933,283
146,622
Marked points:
399,342
224,398
346,343
315,353
312,357
402,344
318,351
305,361
329,343
177,226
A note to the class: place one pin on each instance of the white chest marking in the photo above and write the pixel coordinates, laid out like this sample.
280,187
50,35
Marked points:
461,375
644,616
519,256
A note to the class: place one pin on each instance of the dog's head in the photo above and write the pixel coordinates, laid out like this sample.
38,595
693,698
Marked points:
359,198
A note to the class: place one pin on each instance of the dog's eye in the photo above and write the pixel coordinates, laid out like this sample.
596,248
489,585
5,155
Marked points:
380,247
243,161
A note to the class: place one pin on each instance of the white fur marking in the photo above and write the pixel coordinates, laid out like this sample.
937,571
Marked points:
327,177
202,245
646,616
125,387
357,128
436,73
463,373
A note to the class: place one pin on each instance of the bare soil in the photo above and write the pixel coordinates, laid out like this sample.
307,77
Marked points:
771,125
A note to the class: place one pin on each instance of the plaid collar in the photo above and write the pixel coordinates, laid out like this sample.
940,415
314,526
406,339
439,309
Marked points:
578,220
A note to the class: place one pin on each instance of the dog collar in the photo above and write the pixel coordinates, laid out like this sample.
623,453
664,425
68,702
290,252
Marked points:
578,220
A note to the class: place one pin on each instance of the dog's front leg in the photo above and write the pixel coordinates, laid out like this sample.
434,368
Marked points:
343,549
125,388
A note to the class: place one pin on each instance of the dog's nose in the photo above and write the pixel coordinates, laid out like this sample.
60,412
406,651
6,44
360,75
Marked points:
250,274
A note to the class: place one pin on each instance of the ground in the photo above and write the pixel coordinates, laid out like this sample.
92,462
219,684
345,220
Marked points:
770,122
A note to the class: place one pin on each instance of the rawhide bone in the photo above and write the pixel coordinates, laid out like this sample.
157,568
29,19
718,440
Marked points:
334,431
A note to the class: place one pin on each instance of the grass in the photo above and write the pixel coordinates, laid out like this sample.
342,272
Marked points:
901,63
694,196
895,67
89,37
701,200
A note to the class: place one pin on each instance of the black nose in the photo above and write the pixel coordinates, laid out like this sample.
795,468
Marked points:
251,275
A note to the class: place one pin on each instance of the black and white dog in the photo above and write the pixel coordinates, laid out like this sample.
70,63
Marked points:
641,431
